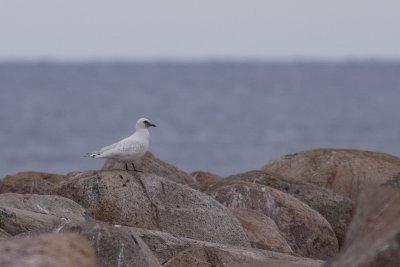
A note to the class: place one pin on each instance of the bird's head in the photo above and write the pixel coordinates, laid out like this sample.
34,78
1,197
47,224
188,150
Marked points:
144,123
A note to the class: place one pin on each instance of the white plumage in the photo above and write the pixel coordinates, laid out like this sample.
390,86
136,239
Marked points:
129,149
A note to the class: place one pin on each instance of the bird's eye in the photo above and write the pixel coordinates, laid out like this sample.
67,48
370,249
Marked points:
145,122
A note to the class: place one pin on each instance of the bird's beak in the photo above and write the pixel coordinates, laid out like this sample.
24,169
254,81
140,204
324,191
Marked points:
150,124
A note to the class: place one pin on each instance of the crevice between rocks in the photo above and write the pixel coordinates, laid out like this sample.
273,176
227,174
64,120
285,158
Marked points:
153,205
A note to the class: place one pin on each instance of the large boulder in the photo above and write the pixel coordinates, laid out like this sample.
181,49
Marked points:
337,209
148,201
373,238
181,251
49,250
28,212
345,171
151,164
30,183
306,231
260,229
205,256
115,245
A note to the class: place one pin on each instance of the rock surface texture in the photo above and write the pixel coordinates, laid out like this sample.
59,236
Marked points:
205,256
345,171
148,201
262,231
115,245
373,238
393,181
20,213
306,231
167,247
151,164
299,211
49,250
201,177
337,209
4,235
30,183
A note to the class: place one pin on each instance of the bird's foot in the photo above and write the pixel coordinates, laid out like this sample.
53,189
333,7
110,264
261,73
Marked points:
135,168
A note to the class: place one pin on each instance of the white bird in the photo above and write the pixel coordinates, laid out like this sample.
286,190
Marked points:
129,149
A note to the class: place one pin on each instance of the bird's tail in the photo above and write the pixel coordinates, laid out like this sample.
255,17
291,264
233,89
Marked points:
93,154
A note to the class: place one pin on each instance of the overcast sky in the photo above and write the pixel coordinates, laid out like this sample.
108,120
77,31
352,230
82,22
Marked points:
201,29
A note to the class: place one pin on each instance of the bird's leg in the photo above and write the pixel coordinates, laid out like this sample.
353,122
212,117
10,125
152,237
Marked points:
134,168
126,166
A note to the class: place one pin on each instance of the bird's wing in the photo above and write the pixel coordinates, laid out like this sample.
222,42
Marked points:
106,148
101,151
129,145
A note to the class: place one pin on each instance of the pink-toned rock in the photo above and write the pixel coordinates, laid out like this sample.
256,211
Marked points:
345,171
151,164
205,256
29,212
148,201
262,231
49,250
30,183
373,238
337,209
165,246
305,230
168,247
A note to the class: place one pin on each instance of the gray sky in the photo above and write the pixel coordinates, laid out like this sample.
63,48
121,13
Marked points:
203,29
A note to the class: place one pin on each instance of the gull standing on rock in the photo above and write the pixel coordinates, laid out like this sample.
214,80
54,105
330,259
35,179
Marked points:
129,149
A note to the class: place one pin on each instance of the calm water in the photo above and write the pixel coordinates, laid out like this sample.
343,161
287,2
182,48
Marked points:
220,117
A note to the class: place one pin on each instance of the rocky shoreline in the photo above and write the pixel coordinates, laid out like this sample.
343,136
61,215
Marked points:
323,207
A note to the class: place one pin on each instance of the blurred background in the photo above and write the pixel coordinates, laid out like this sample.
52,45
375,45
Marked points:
230,84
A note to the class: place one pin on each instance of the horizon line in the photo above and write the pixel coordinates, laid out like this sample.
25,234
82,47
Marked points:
194,60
